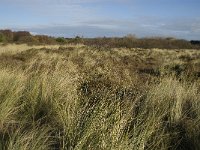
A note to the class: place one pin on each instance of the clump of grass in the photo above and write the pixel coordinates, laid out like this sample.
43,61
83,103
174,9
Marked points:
12,85
35,139
175,104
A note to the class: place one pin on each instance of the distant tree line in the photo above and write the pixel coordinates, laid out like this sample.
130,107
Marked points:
8,36
195,42
129,41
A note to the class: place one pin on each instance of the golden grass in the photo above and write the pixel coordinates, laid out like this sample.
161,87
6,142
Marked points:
17,48
80,97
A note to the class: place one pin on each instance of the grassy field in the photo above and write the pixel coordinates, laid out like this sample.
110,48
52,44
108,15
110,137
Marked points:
75,97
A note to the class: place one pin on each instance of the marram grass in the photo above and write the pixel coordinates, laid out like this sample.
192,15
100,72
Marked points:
53,101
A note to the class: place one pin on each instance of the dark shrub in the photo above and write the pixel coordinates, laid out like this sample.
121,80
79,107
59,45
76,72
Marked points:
195,42
8,35
28,40
20,34
2,37
61,40
45,39
77,40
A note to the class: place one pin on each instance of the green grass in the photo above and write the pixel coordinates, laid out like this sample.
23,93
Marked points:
85,98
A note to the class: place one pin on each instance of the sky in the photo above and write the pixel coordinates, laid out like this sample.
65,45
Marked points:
98,18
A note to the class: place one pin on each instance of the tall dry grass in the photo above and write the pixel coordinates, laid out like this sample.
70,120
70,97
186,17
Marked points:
84,98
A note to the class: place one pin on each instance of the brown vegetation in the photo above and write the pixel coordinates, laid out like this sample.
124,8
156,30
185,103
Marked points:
129,41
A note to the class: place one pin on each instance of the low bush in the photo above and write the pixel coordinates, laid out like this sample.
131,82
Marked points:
2,38
60,40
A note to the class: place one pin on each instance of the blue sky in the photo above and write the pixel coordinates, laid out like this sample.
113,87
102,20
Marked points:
95,18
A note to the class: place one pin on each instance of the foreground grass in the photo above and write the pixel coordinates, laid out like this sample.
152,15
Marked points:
88,98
